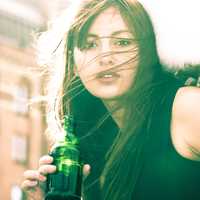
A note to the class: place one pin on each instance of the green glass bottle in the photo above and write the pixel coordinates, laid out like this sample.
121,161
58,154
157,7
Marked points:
65,183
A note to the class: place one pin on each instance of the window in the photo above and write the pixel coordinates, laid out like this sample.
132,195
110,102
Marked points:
19,148
16,30
21,100
21,97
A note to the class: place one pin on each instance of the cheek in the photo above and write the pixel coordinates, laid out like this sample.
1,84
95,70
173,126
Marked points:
83,63
79,59
124,58
128,77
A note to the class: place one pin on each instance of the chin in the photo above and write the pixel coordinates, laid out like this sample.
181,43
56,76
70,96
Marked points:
104,93
108,96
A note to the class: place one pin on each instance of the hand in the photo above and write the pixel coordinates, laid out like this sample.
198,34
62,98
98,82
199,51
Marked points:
32,185
35,179
190,75
193,82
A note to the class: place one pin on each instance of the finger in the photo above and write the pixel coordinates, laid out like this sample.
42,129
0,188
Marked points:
34,175
86,170
28,184
190,81
32,191
198,82
46,159
47,169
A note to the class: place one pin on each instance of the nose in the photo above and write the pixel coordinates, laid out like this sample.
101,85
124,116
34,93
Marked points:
105,60
106,55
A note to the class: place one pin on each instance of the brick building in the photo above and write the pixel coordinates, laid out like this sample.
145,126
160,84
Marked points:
22,139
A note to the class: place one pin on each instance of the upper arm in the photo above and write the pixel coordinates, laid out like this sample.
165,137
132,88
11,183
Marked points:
185,125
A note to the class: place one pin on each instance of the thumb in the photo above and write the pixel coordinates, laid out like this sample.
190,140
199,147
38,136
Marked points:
86,170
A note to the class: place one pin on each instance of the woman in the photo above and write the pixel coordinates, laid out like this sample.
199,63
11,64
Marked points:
135,120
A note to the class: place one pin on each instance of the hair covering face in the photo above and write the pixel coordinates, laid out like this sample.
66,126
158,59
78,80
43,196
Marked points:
177,28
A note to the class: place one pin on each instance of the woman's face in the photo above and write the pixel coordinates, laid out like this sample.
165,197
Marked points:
107,62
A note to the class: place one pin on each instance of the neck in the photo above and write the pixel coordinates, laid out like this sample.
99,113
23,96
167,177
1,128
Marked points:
117,115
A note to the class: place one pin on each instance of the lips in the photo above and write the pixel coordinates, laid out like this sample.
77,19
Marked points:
107,74
107,77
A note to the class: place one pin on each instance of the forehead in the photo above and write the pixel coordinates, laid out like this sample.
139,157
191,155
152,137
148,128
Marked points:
107,22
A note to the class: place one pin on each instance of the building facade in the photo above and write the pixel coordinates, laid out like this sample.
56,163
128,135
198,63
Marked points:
22,123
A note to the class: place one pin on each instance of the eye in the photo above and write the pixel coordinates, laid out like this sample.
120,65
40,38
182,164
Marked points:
89,45
123,42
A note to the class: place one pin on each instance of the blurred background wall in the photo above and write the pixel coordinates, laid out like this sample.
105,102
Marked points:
22,138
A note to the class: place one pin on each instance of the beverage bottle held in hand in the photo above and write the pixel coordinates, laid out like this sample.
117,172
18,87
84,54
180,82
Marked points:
65,183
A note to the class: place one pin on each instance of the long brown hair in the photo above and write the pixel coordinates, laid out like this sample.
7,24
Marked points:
126,153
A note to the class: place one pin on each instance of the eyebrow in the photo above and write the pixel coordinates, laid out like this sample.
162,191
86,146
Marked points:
113,34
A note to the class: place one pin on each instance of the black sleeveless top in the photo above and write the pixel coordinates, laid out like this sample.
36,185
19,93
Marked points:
165,175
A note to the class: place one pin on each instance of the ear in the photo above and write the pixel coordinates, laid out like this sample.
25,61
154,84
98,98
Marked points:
79,59
75,71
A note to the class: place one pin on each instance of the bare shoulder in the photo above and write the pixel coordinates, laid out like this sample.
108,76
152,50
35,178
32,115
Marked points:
187,101
185,123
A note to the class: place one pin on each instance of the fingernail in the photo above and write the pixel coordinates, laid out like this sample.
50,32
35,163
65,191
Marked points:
33,183
42,178
198,82
190,81
52,168
87,167
50,158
